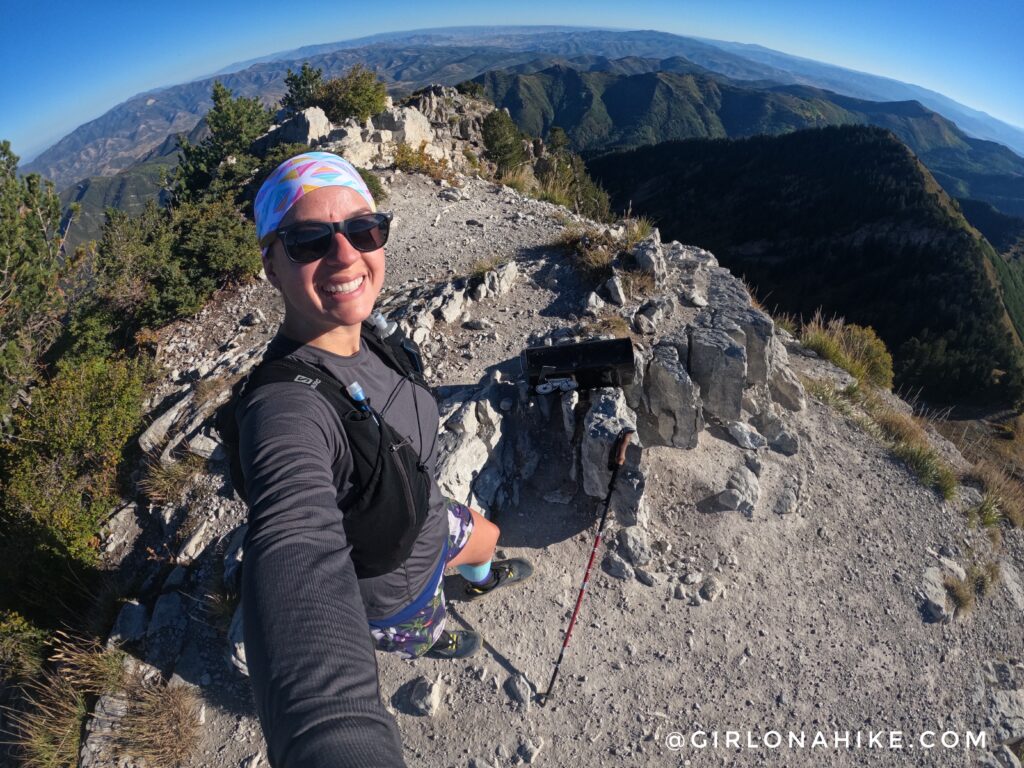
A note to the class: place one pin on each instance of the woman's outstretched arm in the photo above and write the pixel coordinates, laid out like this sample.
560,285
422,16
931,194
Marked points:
308,647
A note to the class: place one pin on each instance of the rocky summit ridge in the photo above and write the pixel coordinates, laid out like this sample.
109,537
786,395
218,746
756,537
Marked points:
769,566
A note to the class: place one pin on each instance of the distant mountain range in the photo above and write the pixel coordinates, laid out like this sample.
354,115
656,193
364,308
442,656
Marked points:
632,102
409,60
847,219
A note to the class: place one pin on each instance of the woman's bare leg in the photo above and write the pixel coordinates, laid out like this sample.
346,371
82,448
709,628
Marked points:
482,541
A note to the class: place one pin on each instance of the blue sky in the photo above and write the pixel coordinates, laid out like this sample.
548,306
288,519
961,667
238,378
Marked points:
64,63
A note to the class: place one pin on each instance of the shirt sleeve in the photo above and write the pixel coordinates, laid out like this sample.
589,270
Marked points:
308,647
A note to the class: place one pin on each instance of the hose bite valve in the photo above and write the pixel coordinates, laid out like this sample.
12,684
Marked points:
355,391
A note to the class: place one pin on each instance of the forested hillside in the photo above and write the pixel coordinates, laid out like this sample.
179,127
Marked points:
845,219
625,106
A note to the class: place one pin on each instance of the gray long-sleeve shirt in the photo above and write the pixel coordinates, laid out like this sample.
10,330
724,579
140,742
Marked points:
310,656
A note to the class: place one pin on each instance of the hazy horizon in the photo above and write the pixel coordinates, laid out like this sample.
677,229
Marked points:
935,46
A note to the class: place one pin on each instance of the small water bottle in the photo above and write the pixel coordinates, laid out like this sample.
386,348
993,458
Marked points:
383,326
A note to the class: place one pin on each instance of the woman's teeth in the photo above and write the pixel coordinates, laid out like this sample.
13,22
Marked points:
344,287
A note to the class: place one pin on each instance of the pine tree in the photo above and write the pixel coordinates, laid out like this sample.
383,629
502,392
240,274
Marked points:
304,88
32,267
234,124
503,141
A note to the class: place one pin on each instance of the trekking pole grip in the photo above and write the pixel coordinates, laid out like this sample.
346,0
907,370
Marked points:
621,444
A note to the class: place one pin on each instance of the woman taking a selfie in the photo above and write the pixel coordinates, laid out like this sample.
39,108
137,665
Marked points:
349,535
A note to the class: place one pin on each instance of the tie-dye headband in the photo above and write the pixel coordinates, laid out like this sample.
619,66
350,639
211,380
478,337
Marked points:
296,177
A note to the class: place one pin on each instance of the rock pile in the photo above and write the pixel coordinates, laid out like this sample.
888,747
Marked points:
446,123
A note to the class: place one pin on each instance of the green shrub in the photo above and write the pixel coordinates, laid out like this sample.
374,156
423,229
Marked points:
62,470
472,89
21,647
358,93
372,181
412,160
215,244
134,267
157,267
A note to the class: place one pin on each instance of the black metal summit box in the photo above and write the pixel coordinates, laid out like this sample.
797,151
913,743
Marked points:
584,365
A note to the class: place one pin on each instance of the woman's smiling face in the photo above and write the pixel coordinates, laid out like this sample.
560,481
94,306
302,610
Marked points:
327,300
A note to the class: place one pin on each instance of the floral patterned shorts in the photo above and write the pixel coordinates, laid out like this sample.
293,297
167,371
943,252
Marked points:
415,636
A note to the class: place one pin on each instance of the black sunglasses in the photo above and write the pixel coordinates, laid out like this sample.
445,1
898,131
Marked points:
308,241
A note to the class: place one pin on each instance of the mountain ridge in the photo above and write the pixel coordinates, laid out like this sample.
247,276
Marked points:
612,44
614,114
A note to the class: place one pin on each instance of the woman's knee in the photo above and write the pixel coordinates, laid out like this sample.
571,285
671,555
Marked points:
485,529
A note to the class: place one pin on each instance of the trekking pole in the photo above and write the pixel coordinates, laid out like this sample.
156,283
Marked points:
616,459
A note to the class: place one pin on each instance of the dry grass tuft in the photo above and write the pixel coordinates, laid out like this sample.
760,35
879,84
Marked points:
904,435
851,347
980,579
162,484
594,249
521,179
986,513
482,266
209,388
637,229
929,467
89,666
828,394
637,284
48,733
219,606
897,426
985,577
161,725
788,322
555,190
219,602
752,292
961,591
999,482
609,323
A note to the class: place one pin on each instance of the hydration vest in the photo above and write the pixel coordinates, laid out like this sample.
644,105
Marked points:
387,504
